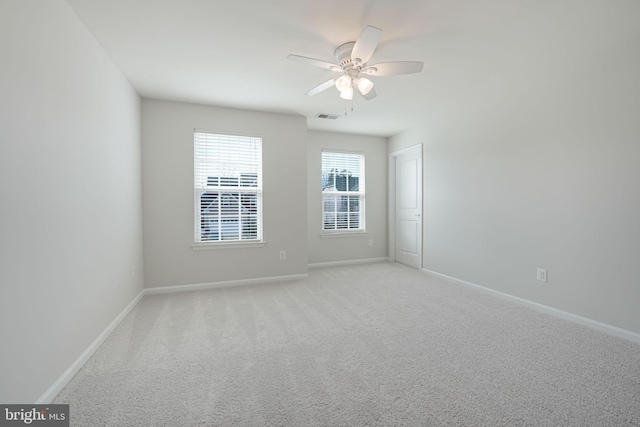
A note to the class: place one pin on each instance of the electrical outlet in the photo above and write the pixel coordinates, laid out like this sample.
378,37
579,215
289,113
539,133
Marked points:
542,275
283,254
370,242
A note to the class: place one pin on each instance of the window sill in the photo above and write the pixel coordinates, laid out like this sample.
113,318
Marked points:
227,245
329,235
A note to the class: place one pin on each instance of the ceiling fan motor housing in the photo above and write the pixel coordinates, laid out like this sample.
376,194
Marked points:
342,55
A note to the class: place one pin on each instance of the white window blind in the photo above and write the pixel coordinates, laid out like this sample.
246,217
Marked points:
343,191
228,187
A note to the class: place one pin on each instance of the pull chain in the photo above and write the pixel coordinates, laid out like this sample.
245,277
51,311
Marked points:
345,106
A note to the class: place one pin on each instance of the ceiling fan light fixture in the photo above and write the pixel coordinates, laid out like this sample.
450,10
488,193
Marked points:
347,93
343,82
364,85
352,59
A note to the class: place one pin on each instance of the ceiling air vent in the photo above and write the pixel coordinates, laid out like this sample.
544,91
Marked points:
327,116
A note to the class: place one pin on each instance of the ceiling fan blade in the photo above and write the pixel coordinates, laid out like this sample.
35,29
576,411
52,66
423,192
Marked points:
366,45
370,95
394,68
322,86
314,62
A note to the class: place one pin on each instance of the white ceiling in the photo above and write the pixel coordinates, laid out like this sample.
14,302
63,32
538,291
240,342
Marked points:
477,54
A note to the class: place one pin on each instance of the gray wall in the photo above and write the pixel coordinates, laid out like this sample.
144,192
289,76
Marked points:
70,168
352,247
547,175
168,195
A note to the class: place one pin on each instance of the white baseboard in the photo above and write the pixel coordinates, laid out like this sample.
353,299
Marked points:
350,262
62,381
225,284
584,321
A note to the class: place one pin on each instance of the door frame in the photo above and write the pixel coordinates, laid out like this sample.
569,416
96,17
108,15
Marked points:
391,203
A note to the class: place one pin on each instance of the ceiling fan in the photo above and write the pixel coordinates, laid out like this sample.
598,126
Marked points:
353,64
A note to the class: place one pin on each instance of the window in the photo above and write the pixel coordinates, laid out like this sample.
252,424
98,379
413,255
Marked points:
228,188
342,192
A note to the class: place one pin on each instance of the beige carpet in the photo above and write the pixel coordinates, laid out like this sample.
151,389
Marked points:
378,344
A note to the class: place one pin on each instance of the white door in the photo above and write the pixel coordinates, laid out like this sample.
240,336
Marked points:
409,208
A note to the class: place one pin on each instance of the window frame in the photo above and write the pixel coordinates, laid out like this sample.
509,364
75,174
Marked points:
199,190
361,194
